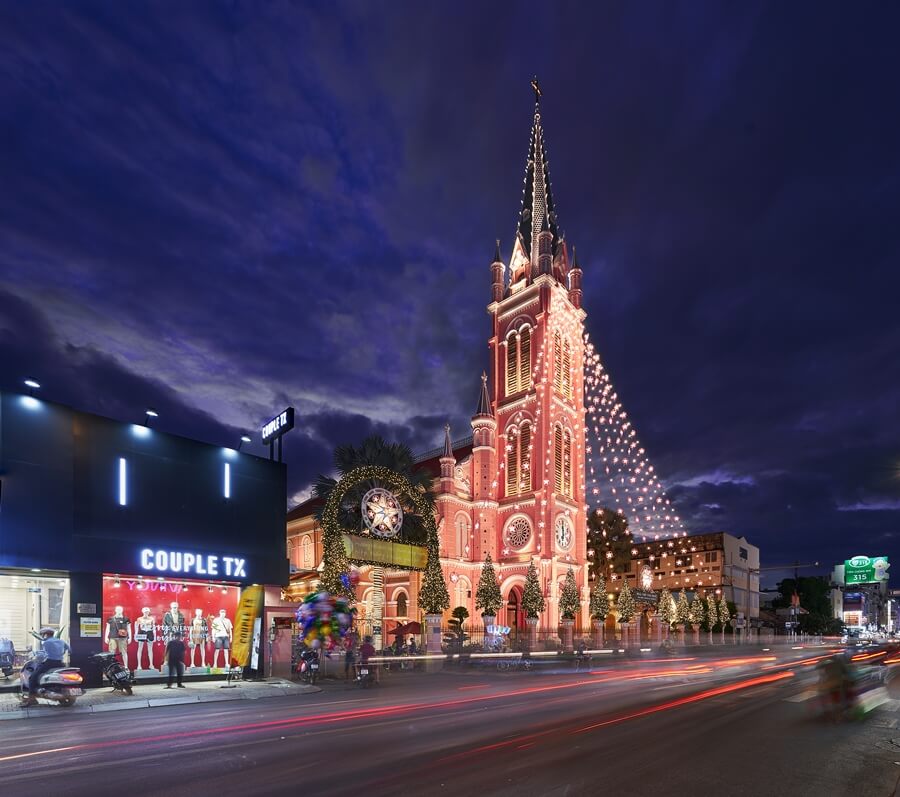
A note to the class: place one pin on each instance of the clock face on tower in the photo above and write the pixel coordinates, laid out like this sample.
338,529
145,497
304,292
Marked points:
563,533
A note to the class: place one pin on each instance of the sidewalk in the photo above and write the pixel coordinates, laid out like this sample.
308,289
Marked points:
152,695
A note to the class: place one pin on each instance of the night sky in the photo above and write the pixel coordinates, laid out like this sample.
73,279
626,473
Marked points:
223,209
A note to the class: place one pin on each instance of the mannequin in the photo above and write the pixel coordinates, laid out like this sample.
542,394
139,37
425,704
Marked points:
222,632
144,633
173,623
117,635
199,635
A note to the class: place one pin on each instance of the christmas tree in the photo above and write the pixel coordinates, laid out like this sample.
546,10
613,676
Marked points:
724,614
335,565
568,598
625,604
487,596
682,609
532,596
665,609
712,614
696,612
599,599
433,597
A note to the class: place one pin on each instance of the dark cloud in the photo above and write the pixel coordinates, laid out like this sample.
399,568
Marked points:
223,210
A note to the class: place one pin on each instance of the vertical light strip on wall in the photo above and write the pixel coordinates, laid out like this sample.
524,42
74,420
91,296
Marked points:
123,481
226,485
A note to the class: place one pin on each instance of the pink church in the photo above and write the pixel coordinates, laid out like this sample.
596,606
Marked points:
516,488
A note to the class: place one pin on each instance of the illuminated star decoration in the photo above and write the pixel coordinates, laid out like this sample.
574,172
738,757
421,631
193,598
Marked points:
383,513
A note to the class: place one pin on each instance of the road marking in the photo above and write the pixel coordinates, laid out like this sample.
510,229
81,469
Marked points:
37,752
802,696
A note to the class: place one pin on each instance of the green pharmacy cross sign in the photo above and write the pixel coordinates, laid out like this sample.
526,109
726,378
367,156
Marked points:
866,570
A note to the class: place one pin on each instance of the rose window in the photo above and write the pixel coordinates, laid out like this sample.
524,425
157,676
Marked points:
518,532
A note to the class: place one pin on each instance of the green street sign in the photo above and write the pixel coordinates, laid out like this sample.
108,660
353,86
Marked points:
866,570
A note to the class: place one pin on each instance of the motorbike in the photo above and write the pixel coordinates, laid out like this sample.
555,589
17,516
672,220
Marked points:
364,675
7,657
309,665
121,679
60,685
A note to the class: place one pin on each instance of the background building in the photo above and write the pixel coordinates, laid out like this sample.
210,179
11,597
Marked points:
720,563
96,514
861,594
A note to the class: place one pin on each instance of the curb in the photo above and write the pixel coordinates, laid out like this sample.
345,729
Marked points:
153,702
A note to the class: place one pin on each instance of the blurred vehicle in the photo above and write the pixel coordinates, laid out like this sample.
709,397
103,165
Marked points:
7,657
58,685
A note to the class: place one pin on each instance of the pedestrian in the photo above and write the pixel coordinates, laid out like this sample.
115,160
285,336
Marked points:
349,658
175,659
413,650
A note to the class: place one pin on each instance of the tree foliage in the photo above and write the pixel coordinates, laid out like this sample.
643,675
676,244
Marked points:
712,613
665,607
724,612
568,599
697,614
610,540
487,597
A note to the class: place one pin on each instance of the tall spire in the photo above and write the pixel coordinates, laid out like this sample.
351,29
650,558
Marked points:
538,208
484,399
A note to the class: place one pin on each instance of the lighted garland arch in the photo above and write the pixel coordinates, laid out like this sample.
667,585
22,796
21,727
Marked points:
433,597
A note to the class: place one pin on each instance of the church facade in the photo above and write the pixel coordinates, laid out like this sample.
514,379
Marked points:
515,489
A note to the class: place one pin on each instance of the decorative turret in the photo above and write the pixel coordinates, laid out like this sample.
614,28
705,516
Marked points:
545,249
484,454
448,462
497,275
575,281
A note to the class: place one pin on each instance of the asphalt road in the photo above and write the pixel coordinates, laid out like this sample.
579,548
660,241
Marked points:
735,724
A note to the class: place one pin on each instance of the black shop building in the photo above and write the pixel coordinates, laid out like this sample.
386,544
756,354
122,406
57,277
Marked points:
119,536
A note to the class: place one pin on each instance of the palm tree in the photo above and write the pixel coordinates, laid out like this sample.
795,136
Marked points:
397,457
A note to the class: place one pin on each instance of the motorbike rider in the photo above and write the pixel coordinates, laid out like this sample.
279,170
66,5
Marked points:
54,649
366,651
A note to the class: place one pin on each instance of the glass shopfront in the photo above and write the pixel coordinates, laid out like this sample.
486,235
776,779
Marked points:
140,615
31,600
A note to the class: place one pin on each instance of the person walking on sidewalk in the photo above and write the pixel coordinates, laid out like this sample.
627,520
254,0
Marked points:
175,659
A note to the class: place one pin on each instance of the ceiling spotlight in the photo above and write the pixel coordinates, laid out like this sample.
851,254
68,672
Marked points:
32,385
245,438
148,414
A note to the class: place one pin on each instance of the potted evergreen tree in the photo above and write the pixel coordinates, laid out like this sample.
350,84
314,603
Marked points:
626,608
599,608
487,596
682,613
665,610
696,616
533,603
712,614
568,607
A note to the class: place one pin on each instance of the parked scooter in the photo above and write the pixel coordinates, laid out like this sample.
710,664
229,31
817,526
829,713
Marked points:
7,657
60,685
309,665
121,679
365,676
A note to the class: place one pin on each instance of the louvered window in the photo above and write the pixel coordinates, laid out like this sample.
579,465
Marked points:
558,458
567,370
525,458
525,359
557,362
567,463
512,371
512,464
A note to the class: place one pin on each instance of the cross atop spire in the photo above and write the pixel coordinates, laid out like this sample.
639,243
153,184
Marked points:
537,199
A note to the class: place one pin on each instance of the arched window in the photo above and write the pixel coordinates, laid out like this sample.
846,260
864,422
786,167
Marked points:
567,370
290,551
525,458
306,550
518,361
401,605
512,462
557,362
558,459
567,463
462,534
461,592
